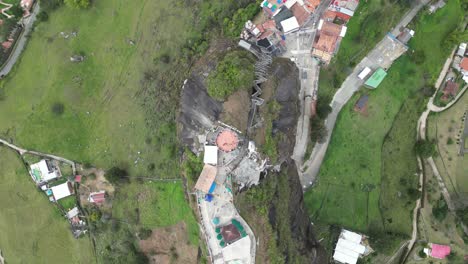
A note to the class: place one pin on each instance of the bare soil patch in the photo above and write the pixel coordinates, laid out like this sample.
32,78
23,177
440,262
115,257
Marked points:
169,245
94,181
236,110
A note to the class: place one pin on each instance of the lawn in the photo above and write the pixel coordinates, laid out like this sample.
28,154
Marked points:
444,128
104,121
367,156
33,231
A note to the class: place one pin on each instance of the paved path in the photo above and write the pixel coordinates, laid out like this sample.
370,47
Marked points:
20,43
352,83
23,151
8,6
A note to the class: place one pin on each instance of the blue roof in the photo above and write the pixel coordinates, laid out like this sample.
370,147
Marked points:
212,188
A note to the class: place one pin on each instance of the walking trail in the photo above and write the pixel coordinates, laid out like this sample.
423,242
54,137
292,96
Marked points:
23,151
8,6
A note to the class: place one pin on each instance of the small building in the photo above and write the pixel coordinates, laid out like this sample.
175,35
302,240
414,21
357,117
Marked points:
437,251
97,197
377,77
450,90
206,178
349,247
361,104
290,25
61,191
464,65
44,171
461,50
363,74
210,155
405,35
238,252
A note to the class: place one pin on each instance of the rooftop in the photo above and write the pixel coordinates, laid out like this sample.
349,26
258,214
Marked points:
300,13
376,78
43,171
61,191
439,251
210,155
348,248
206,178
227,140
464,64
326,43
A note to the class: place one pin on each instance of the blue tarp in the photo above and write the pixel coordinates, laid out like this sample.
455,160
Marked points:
208,197
212,188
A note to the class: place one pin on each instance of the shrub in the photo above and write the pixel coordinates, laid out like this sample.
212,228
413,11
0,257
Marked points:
422,254
116,175
144,233
58,108
440,209
418,56
77,3
43,16
449,141
234,72
425,148
16,10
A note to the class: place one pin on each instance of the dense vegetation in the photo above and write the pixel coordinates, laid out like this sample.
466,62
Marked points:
235,71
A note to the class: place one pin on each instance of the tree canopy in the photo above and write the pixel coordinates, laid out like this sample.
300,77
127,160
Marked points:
234,72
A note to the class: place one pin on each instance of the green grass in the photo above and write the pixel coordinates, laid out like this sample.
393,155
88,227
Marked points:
104,122
350,188
372,20
159,205
68,202
33,231
453,167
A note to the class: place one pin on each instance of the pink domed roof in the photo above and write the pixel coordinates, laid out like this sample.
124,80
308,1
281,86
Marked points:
227,140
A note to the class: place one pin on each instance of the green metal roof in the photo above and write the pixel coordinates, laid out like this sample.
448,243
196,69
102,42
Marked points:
376,78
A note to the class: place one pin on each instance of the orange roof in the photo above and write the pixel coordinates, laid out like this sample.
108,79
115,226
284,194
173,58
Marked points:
326,43
331,28
311,5
300,13
329,15
227,140
206,178
464,64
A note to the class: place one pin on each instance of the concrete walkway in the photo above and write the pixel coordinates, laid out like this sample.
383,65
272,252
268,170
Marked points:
21,42
352,83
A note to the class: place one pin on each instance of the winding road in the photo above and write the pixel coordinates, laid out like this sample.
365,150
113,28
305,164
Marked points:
373,60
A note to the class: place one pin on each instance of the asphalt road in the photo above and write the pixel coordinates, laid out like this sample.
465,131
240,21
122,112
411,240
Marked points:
342,96
18,48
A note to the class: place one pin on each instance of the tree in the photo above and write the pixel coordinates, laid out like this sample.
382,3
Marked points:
418,56
116,175
16,10
234,72
425,148
318,131
58,108
77,3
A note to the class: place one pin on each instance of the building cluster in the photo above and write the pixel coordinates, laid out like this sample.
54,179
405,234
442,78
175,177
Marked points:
282,17
229,238
9,40
350,247
460,61
48,177
332,28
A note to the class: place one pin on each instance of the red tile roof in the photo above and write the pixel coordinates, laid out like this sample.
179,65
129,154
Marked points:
331,28
97,197
464,64
440,251
326,43
7,44
450,90
78,178
300,13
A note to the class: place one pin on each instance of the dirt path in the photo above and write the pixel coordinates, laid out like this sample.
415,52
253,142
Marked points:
23,151
8,6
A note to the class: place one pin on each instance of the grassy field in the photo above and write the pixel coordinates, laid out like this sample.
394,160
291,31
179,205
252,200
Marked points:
444,128
33,230
111,106
367,156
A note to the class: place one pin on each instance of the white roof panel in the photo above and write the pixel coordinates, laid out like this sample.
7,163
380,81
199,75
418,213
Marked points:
343,31
211,155
364,73
343,243
290,24
239,250
345,259
351,236
290,3
61,191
